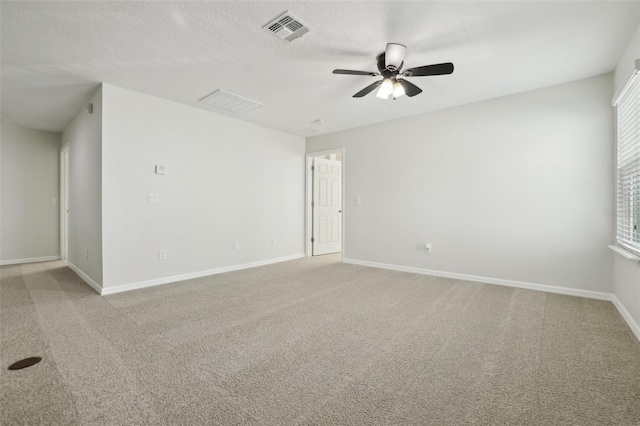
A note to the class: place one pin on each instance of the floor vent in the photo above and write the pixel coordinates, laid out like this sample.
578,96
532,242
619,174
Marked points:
230,102
24,363
287,27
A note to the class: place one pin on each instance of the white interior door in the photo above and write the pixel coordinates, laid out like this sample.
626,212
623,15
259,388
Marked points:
327,208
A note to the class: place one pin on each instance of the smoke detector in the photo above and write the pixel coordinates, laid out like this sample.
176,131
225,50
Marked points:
287,27
316,126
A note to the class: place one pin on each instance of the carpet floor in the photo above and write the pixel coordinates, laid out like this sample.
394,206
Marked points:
311,341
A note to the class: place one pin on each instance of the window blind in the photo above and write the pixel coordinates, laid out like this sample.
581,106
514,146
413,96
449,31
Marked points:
628,166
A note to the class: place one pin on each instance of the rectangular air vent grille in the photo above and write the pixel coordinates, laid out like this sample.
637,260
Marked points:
230,102
287,27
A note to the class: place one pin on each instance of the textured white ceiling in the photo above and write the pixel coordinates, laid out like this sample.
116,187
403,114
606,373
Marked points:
53,54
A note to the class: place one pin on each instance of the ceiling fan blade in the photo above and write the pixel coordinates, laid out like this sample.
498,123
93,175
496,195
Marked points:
394,55
410,89
351,72
437,69
370,88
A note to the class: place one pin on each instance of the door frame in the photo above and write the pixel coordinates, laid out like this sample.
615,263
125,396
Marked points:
308,211
64,202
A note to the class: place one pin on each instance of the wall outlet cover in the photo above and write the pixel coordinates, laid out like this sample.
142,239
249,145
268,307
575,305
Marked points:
161,169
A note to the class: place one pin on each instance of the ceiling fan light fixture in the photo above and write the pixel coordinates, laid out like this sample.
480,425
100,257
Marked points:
386,88
398,90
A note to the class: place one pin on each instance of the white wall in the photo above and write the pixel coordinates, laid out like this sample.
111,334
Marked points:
514,188
83,135
626,274
626,64
227,181
30,176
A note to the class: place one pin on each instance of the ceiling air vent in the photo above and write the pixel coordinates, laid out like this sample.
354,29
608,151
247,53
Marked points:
230,102
287,27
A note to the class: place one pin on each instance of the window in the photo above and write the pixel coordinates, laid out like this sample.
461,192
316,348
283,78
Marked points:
628,164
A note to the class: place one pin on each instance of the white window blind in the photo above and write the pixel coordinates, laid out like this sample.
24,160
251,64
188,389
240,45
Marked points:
628,166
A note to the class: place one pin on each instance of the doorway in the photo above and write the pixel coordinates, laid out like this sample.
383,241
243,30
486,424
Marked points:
324,202
64,203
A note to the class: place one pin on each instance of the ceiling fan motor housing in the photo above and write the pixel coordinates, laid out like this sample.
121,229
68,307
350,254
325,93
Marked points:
387,71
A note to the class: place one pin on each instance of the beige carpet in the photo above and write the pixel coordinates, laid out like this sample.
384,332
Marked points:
311,341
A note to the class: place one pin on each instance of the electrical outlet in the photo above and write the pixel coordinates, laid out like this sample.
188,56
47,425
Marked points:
162,254
274,242
153,198
427,248
161,169
237,246
358,201
86,253
54,200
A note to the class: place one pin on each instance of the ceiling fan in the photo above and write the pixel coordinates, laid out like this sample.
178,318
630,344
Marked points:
390,68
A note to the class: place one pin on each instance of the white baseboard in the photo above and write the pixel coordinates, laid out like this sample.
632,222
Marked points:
487,280
192,275
86,278
29,260
627,316
509,283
